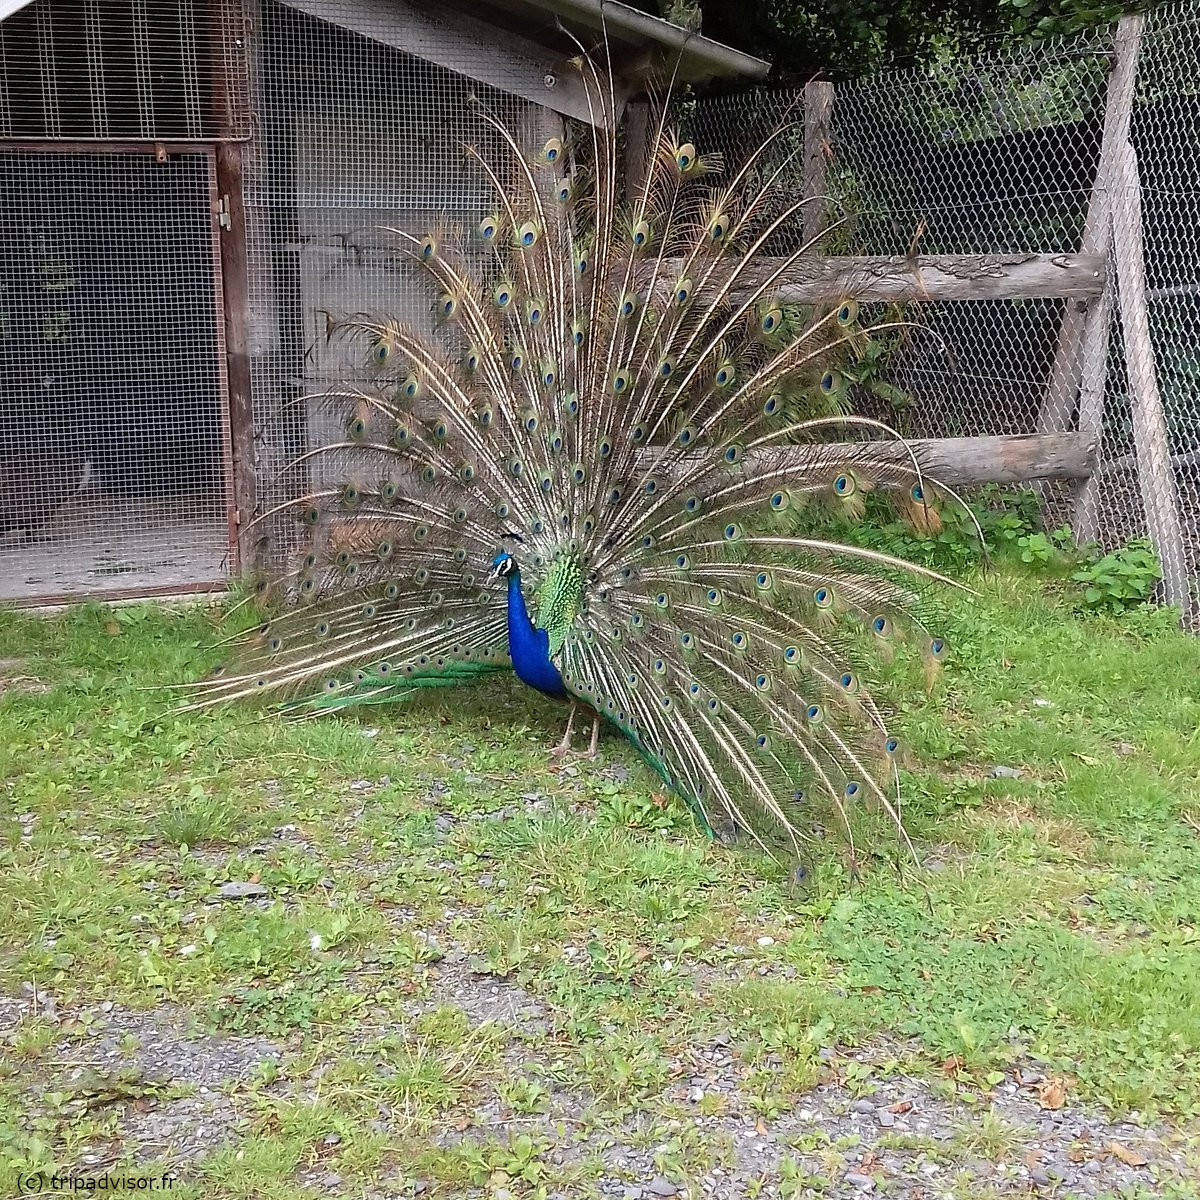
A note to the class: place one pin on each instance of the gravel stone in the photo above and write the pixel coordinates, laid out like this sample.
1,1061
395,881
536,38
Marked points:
240,891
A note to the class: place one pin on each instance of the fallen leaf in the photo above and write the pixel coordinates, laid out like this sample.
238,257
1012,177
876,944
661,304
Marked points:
901,1106
760,1127
1052,1093
112,628
952,1065
1086,759
1131,1158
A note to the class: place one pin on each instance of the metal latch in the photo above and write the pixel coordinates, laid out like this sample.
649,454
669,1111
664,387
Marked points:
223,218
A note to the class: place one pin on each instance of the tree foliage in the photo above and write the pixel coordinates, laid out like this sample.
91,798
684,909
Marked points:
838,39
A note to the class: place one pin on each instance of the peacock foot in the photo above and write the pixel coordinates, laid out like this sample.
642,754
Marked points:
564,747
564,750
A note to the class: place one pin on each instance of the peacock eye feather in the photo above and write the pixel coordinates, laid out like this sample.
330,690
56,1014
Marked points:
528,234
489,227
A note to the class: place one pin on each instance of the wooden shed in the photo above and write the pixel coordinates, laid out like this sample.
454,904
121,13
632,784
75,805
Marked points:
192,189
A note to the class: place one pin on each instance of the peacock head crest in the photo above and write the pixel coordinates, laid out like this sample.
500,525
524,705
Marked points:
503,565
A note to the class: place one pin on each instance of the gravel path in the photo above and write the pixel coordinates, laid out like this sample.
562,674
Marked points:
180,1093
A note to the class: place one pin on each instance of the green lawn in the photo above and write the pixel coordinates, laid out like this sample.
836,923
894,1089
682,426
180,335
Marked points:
422,863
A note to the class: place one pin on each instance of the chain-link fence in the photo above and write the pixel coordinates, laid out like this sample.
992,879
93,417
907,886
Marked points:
1020,153
1017,154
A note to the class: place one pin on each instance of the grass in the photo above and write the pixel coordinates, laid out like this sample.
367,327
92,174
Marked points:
1056,927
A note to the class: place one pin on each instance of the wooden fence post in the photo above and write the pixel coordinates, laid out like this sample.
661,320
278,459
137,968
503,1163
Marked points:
1156,476
1058,403
818,145
1085,518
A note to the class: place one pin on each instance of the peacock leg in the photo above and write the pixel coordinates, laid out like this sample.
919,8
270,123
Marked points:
564,747
590,752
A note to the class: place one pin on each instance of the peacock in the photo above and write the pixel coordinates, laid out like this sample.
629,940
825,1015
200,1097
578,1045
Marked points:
619,461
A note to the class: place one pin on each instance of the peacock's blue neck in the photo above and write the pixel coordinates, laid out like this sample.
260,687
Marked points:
528,646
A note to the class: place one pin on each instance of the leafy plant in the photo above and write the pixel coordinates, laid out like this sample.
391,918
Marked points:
1120,580
1045,549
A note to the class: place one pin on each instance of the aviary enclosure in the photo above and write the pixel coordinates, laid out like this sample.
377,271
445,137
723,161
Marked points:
194,189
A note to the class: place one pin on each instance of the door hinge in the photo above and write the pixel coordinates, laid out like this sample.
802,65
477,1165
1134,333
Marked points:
223,218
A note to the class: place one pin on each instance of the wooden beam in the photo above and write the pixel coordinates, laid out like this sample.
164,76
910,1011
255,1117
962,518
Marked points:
927,277
1085,519
464,45
818,150
235,285
1063,382
965,462
1156,476
636,157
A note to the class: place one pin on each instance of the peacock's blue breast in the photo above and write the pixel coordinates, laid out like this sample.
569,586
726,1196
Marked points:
529,647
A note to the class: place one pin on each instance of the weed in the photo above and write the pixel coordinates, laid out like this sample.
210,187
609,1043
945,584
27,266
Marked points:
1121,580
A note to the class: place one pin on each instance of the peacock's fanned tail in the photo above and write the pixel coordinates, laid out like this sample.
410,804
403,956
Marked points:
612,387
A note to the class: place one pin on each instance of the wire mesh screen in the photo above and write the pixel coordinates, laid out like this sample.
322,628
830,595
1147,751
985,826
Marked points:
1002,155
167,70
111,463
357,136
